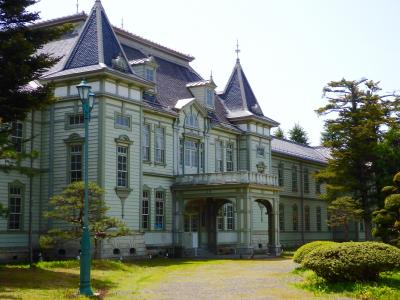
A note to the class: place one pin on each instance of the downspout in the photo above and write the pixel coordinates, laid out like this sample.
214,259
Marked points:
30,193
302,202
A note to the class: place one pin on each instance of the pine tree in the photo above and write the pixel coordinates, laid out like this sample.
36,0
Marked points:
279,133
21,63
68,207
387,220
360,113
298,134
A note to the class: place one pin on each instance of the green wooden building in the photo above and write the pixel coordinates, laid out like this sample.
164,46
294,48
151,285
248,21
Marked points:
183,165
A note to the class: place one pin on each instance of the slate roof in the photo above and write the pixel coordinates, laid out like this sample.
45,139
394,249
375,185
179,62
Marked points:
97,44
315,154
239,98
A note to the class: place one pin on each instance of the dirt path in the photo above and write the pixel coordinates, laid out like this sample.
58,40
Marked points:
240,279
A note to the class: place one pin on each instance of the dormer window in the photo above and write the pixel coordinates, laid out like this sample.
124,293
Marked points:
149,74
192,121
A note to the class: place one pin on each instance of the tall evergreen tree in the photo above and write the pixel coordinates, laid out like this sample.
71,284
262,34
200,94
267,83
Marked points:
279,133
298,134
360,113
21,63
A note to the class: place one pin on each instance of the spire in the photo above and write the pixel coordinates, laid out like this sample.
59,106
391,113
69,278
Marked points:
237,51
211,76
238,95
97,44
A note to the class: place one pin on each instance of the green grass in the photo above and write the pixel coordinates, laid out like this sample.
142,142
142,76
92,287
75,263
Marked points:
387,287
110,278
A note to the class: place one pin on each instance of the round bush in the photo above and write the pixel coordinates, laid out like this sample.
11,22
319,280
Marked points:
306,248
352,261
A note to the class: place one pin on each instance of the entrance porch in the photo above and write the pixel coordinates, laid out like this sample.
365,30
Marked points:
225,218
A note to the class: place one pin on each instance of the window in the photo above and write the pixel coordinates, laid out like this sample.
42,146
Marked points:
210,98
229,157
146,142
122,121
75,158
17,135
319,219
191,223
307,218
202,155
219,165
14,208
294,178
192,120
149,74
280,174
191,154
361,226
160,207
295,217
76,119
260,151
145,210
282,217
306,180
225,217
317,185
160,145
328,220
181,153
122,166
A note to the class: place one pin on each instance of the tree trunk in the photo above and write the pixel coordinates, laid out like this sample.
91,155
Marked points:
346,231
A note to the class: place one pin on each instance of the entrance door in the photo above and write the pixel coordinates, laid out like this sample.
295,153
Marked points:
191,227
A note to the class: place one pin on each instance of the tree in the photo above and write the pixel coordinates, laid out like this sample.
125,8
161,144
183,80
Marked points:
68,207
279,133
387,220
21,63
360,115
342,211
298,134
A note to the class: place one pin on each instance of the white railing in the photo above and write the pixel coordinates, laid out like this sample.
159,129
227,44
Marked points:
243,177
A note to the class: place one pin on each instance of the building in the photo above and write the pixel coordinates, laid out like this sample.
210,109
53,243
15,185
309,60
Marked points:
182,165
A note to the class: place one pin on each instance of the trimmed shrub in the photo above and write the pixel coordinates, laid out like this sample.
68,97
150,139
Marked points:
352,261
306,248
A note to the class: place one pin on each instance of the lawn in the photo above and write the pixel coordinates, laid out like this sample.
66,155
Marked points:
387,287
155,279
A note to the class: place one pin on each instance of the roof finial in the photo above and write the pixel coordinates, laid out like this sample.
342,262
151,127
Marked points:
122,22
237,51
77,6
211,78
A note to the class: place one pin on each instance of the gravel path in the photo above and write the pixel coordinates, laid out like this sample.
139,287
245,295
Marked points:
240,279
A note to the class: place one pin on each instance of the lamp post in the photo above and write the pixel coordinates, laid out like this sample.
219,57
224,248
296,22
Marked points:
87,99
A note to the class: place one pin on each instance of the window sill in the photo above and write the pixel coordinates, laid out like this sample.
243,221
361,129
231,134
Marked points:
123,192
161,164
148,162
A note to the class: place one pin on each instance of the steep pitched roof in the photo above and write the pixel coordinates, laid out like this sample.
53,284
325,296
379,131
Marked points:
97,44
238,94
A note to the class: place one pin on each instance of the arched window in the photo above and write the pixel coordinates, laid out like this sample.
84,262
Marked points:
307,218
295,217
192,120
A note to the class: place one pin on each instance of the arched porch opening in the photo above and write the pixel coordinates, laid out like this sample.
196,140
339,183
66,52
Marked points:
271,223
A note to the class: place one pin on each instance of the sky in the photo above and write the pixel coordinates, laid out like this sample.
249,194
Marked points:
290,49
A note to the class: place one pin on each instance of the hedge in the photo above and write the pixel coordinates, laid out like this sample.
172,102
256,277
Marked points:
352,261
306,248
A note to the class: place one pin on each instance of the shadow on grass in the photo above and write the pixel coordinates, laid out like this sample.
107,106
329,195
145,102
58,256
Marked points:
18,278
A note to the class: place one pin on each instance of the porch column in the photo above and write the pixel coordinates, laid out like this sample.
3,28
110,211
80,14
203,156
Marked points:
245,224
275,244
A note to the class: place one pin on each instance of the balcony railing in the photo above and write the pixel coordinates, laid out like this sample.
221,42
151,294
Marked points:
240,177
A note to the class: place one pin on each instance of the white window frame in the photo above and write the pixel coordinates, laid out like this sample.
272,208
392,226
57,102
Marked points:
145,210
159,202
122,166
73,163
191,153
159,145
229,157
15,207
17,135
219,156
146,140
